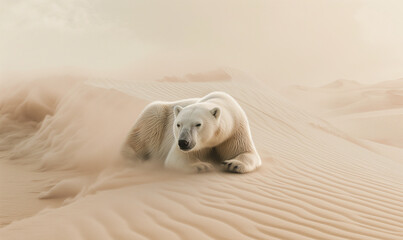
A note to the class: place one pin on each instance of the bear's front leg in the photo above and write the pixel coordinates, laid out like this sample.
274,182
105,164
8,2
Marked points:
243,163
184,161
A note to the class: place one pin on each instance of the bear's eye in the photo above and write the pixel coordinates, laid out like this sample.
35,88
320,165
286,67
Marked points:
178,125
198,125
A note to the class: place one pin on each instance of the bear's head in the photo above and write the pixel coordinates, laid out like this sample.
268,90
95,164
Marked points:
195,126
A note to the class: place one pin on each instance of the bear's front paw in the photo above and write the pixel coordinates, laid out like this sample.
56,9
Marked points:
235,166
200,167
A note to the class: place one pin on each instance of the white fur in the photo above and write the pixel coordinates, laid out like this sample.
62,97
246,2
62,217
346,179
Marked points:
223,136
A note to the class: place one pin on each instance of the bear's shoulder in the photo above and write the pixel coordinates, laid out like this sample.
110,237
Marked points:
217,96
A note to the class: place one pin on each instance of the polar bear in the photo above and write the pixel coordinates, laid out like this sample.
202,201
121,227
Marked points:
195,135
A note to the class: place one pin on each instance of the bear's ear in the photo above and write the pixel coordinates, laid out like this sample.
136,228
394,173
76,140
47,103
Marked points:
216,112
177,110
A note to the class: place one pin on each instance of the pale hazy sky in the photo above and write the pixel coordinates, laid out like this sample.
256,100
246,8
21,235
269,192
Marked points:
283,42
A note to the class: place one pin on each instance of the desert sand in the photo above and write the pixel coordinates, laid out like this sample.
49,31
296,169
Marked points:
332,163
368,111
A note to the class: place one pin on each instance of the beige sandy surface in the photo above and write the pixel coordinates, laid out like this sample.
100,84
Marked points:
373,112
318,180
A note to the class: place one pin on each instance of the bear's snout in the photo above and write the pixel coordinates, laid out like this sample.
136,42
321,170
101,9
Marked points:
185,141
183,144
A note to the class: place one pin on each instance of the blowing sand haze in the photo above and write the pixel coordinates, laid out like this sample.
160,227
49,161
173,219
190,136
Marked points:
80,79
193,134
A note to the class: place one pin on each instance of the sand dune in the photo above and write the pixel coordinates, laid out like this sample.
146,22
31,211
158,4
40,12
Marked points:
372,112
316,182
383,125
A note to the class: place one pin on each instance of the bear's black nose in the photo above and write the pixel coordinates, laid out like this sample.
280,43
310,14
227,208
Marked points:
183,144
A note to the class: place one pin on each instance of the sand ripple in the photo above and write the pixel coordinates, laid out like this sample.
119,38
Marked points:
316,182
